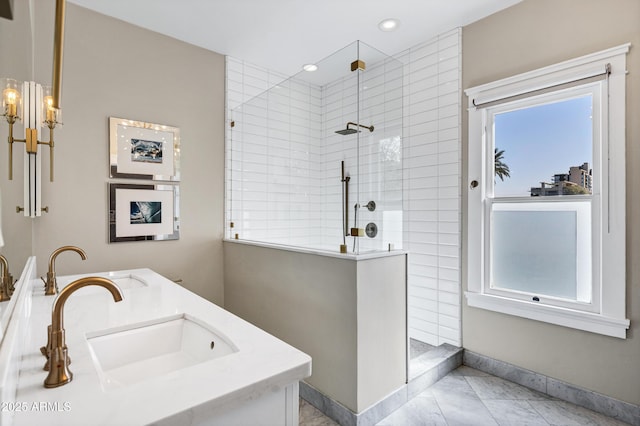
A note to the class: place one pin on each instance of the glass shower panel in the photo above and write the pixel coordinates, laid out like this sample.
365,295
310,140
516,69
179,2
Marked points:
339,152
319,154
380,151
275,154
275,161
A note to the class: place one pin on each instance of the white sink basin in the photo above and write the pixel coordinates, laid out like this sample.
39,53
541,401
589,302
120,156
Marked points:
126,282
137,352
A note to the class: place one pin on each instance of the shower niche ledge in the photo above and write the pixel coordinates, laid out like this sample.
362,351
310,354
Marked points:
347,311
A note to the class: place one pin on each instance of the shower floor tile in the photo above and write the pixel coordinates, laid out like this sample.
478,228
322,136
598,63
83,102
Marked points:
418,348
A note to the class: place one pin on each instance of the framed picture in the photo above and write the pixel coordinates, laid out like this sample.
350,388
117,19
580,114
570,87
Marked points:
143,212
141,150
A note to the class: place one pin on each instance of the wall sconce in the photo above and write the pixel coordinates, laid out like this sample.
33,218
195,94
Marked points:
36,106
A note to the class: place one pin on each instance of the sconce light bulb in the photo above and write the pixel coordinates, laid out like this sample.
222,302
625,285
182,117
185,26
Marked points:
51,113
49,110
10,96
10,99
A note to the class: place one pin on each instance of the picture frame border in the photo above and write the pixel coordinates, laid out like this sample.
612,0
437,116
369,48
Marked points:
114,219
116,160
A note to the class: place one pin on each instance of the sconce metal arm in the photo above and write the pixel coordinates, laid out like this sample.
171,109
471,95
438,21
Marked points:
32,142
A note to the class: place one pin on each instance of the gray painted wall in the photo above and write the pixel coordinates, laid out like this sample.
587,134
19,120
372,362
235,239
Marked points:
15,47
112,68
530,35
349,316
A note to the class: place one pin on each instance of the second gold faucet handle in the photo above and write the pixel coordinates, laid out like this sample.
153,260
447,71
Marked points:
46,349
51,284
4,293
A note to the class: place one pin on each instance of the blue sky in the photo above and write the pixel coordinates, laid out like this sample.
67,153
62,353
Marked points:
542,141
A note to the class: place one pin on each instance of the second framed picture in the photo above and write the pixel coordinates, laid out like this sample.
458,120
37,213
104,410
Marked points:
143,212
141,150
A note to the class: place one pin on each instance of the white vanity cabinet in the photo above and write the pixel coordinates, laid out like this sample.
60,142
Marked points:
255,383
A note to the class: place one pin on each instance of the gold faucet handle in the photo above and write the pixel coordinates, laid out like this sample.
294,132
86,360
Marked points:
46,349
50,284
4,293
12,283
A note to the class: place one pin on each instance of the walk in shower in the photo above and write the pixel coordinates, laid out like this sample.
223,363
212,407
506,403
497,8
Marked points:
315,161
314,203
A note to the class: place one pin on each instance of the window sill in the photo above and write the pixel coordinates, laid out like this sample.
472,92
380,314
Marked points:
586,321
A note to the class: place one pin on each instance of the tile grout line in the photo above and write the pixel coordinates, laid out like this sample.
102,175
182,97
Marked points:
481,400
435,398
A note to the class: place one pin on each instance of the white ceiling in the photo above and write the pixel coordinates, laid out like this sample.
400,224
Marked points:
282,35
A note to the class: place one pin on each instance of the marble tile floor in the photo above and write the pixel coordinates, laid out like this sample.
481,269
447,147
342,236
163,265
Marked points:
424,357
311,416
471,397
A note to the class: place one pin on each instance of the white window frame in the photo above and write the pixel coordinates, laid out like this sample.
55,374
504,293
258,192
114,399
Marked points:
606,313
587,278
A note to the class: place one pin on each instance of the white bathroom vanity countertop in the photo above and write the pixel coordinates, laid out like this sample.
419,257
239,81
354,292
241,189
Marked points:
263,363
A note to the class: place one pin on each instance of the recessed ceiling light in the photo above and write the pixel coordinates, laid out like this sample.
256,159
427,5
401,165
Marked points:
310,67
389,24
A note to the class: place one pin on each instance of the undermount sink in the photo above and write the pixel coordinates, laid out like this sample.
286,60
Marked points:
123,281
127,281
137,352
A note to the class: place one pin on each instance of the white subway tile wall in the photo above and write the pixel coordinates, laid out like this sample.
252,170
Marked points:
431,151
283,173
273,168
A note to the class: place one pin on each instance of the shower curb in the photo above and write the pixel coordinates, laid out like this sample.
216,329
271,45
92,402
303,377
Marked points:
603,404
450,358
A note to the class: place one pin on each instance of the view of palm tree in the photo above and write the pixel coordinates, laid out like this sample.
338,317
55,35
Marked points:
533,143
501,168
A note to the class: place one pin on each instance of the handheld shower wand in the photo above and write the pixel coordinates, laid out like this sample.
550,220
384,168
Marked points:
345,209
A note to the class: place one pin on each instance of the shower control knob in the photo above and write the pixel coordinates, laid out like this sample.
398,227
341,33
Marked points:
371,230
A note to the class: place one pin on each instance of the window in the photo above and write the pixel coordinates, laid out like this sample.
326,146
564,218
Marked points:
540,227
546,197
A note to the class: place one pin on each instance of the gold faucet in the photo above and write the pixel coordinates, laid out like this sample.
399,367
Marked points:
51,285
6,280
59,373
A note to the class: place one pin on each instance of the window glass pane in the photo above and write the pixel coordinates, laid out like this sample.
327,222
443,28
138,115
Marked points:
535,252
544,150
542,248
